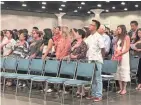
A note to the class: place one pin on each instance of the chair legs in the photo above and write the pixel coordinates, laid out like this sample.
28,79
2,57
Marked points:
63,93
4,85
30,89
46,88
17,86
81,95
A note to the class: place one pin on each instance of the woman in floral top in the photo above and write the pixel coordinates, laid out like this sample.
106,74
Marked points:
78,46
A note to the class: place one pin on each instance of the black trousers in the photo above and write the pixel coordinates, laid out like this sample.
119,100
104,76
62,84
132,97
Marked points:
139,72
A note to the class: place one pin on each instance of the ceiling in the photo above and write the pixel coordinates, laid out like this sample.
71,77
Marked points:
76,8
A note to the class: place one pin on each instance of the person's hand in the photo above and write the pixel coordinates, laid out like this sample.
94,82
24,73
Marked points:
73,56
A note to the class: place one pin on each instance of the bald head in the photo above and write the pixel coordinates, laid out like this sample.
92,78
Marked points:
101,29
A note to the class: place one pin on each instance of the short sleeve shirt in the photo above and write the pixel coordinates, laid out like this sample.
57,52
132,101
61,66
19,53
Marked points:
95,43
9,46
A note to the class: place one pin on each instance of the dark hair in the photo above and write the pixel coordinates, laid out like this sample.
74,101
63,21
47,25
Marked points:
81,32
20,31
48,35
11,32
36,28
59,27
25,31
97,23
137,36
123,33
87,31
134,22
15,30
2,35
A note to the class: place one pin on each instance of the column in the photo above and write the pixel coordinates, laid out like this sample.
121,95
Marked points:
97,13
59,16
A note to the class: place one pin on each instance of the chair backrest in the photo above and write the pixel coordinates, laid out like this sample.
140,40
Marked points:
110,66
10,63
134,63
23,64
37,65
2,62
52,66
68,68
85,69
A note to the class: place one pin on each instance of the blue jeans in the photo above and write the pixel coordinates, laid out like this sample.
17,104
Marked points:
97,81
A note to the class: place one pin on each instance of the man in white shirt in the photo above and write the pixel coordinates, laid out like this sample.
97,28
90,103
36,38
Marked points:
95,53
106,39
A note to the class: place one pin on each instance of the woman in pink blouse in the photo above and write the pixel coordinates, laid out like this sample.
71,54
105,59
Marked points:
63,46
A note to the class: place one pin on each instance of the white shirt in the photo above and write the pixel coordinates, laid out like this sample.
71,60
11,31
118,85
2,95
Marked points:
95,43
107,42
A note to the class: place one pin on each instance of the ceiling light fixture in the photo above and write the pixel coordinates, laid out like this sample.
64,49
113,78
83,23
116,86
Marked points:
63,5
82,3
24,5
107,1
60,9
107,10
125,9
136,6
99,5
113,7
88,12
43,7
79,7
122,3
64,1
2,2
44,3
75,11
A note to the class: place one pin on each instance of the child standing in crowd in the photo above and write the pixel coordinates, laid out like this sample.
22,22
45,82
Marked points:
122,48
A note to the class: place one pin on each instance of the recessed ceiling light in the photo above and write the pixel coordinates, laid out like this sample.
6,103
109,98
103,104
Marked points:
63,5
125,9
136,5
64,1
99,5
122,3
113,7
107,10
75,11
60,9
21,1
88,12
79,7
107,1
83,3
44,3
43,7
2,2
24,5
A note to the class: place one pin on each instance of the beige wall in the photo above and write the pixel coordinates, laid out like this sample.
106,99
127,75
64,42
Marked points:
115,19
19,19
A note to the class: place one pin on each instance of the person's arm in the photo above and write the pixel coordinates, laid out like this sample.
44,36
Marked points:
137,49
50,45
101,45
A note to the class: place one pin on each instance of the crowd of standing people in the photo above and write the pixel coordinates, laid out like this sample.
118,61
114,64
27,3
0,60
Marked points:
94,43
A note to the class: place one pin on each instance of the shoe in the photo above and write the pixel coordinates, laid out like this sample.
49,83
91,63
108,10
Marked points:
20,84
123,93
97,99
90,97
49,90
